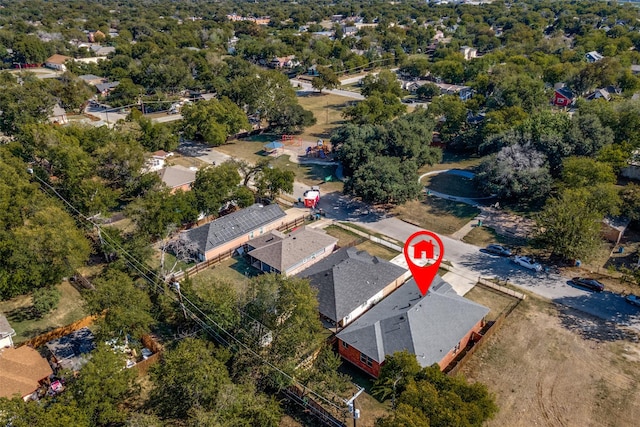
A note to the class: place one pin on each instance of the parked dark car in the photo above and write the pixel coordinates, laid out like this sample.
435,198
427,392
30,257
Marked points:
498,250
591,284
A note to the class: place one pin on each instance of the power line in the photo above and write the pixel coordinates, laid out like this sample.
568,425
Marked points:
131,260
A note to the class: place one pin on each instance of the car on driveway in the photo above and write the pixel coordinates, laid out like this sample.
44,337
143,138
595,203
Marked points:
591,284
527,262
633,300
498,250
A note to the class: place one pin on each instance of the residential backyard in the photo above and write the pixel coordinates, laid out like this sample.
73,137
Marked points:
346,238
19,312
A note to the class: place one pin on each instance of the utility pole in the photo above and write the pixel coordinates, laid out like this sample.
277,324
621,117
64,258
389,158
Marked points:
351,404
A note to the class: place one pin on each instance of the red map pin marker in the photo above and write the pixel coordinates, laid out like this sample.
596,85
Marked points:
424,251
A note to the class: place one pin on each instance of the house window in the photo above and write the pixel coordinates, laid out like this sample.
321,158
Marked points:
366,360
251,235
261,230
456,348
344,344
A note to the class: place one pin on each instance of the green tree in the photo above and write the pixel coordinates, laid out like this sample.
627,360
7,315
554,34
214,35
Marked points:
190,376
326,79
271,182
18,413
377,108
568,228
213,121
290,118
431,398
397,370
517,173
382,83
428,91
385,180
128,308
102,386
214,186
45,299
585,172
71,92
630,196
22,104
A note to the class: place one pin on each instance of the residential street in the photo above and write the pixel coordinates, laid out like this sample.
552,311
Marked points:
301,86
467,259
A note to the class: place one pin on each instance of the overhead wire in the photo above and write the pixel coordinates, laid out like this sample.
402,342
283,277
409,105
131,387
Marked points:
131,260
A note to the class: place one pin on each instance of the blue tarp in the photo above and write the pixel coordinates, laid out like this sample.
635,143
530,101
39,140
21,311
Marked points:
273,145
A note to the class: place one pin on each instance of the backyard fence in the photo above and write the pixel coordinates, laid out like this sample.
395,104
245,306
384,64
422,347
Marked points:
60,332
375,239
179,275
499,288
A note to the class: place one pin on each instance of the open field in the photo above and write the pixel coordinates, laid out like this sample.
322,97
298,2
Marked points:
327,109
311,174
454,185
438,215
453,161
549,365
482,236
20,316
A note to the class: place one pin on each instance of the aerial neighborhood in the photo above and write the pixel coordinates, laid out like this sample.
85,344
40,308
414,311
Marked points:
282,214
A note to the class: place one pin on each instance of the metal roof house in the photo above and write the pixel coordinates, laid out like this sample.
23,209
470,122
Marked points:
434,327
234,230
349,282
291,253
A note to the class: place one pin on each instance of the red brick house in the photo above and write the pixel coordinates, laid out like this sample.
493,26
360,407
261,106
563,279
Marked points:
435,327
563,97
234,230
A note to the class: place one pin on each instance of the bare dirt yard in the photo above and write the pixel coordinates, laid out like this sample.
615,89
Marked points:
553,366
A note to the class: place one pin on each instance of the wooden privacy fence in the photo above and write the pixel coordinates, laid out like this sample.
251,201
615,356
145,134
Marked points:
60,332
179,275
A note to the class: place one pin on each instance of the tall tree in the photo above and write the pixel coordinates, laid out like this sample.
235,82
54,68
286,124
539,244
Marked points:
214,186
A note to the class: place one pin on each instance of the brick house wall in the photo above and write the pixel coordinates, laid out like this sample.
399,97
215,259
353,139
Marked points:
353,355
448,358
239,241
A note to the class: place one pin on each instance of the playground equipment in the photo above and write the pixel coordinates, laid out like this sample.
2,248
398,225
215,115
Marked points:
321,150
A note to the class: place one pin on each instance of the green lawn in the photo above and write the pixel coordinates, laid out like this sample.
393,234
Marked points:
451,184
482,236
311,174
233,270
19,313
438,215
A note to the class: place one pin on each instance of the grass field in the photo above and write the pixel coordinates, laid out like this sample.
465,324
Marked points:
19,313
438,215
454,185
311,174
327,109
482,236
453,161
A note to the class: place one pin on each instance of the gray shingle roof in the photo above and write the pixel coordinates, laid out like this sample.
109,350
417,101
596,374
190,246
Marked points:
348,278
101,87
283,252
175,176
232,226
428,326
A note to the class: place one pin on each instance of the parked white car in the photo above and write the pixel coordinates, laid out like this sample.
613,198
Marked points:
527,262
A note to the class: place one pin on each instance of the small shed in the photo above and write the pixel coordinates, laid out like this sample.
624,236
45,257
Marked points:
613,228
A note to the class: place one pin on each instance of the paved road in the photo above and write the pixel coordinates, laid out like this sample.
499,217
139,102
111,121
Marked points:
304,87
107,115
469,261
167,118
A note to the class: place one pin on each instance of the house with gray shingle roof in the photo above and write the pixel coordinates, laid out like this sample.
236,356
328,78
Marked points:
177,177
435,327
234,230
291,253
349,282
